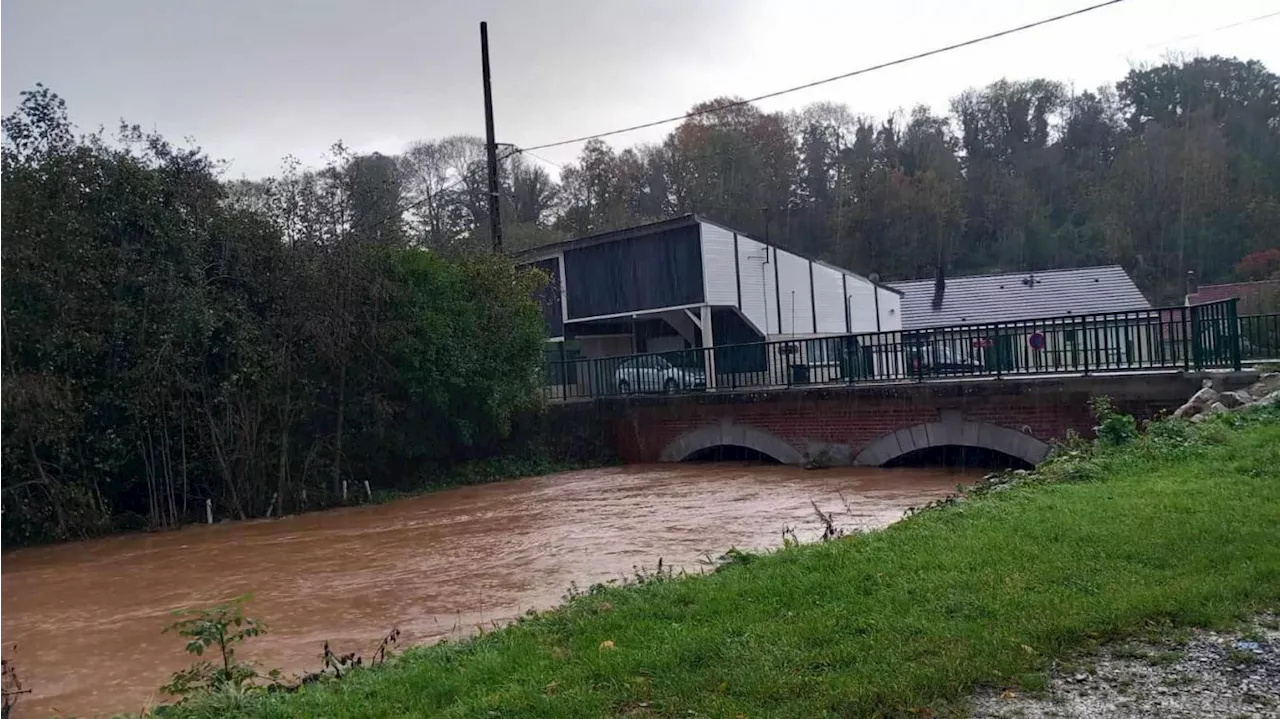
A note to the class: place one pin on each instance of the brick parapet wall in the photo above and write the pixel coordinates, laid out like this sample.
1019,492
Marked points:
856,416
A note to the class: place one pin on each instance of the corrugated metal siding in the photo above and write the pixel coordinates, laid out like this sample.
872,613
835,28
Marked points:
828,295
757,290
793,278
647,272
1007,297
718,265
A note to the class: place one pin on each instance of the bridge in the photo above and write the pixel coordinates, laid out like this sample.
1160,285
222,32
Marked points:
879,425
886,399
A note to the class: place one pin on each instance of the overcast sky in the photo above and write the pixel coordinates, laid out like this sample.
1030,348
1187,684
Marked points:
255,80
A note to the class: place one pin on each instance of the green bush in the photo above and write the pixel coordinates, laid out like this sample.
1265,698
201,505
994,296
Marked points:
171,339
1113,429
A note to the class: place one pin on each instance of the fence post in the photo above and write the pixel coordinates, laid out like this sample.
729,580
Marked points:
1233,332
1184,339
1084,342
564,372
1197,351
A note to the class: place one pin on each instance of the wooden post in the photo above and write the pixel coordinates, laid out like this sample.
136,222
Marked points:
491,145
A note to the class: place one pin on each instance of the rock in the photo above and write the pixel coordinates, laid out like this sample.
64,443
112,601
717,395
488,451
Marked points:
1204,396
1216,408
1187,411
1238,398
1273,398
1199,418
1266,384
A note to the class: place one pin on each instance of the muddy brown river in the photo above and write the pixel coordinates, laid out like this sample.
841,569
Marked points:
82,621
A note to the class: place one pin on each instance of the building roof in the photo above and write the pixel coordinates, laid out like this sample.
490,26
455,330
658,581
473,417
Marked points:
599,238
1253,296
1012,296
543,252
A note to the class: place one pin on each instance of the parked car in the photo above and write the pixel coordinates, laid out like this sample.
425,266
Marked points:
653,373
940,360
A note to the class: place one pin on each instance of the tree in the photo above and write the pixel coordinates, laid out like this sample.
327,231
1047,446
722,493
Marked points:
1261,265
171,340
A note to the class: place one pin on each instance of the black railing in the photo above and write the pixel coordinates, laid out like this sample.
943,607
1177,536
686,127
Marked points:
1260,337
1187,338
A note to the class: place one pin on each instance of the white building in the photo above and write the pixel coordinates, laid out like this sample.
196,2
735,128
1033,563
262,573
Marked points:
687,283
1087,318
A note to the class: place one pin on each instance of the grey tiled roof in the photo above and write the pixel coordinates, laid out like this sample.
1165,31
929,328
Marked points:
1008,297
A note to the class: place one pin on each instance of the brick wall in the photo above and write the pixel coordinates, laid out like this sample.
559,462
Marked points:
856,416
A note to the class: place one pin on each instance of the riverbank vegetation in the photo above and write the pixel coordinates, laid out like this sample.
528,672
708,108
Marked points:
1130,534
170,342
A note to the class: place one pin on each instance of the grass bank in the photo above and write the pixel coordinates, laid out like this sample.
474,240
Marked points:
1178,527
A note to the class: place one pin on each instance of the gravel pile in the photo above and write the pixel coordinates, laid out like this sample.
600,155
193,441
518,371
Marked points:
1229,675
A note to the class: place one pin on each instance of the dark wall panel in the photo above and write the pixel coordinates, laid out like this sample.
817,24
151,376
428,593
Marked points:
640,273
745,353
549,297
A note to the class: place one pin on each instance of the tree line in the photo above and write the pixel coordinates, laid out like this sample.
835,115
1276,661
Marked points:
1173,168
171,340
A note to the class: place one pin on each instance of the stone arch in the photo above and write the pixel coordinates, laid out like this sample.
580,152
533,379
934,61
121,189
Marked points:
954,431
729,434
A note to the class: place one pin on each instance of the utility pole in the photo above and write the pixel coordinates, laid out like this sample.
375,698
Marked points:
491,146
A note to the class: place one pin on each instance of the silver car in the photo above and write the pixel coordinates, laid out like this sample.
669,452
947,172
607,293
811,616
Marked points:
653,373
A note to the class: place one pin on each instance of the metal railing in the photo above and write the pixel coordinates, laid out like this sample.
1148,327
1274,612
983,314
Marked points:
1260,337
1187,338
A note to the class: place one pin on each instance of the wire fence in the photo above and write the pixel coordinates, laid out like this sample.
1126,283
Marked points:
1172,338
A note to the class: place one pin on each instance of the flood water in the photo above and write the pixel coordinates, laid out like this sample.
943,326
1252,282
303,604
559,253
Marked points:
82,622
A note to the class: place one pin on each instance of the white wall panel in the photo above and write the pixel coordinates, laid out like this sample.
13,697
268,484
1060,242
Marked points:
718,267
793,279
757,291
862,305
828,296
890,310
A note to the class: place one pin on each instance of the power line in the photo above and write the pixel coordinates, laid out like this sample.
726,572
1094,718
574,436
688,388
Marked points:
1229,26
815,83
540,157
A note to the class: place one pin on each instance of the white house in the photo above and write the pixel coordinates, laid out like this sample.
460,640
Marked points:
1084,318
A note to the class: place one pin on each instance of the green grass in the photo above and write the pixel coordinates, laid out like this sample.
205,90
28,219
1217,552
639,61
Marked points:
1178,529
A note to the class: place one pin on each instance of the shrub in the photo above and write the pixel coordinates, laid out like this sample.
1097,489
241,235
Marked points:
1113,429
222,626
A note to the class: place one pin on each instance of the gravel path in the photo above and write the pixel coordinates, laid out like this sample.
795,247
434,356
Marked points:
1210,675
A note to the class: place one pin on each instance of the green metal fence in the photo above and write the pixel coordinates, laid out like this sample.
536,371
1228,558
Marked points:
1260,337
1187,338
